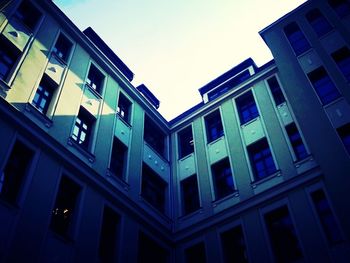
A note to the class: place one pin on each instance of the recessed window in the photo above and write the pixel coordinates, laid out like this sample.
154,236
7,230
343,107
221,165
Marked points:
185,142
341,7
95,79
222,178
233,245
43,94
196,253
154,136
150,251
282,234
9,55
326,216
153,188
118,159
276,91
296,141
261,159
296,38
344,133
318,22
323,85
246,107
342,59
62,48
108,235
213,126
82,130
190,194
65,208
28,14
14,172
124,108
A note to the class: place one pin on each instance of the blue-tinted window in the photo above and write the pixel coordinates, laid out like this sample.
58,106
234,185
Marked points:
95,79
62,48
233,245
222,178
118,159
323,85
296,141
344,133
8,57
124,108
154,136
276,91
82,130
318,22
190,194
185,142
247,108
341,7
342,59
43,94
214,126
296,38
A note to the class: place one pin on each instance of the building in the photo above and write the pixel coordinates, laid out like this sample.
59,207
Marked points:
91,172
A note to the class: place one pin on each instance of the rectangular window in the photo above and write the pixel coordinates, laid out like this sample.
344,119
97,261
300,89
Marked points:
124,108
296,141
65,208
153,188
82,131
233,245
214,126
185,142
13,175
318,22
108,235
154,136
261,159
246,107
344,133
326,216
62,48
276,91
28,14
341,7
95,79
44,94
222,178
342,59
9,55
118,159
282,234
323,85
150,251
196,253
190,194
296,38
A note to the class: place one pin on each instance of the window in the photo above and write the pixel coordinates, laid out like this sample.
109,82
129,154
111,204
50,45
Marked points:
65,208
342,59
296,141
276,91
190,194
196,253
246,107
341,7
185,142
222,178
323,85
95,79
318,22
261,159
118,159
344,133
153,188
82,130
150,251
154,136
14,172
9,55
326,216
214,126
62,48
108,235
28,14
124,108
282,234
296,38
43,94
233,245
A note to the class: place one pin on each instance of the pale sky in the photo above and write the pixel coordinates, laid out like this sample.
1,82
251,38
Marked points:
175,47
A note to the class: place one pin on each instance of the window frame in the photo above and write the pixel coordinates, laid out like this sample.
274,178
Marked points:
16,56
128,119
280,93
344,70
183,195
185,153
99,90
219,174
163,150
316,18
251,107
217,126
340,131
121,176
90,135
295,154
66,60
295,38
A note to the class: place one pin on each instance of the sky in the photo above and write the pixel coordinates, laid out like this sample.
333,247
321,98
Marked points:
175,47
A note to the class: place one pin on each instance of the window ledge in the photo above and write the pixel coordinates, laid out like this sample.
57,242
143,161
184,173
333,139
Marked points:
84,152
40,116
124,121
63,63
278,173
216,202
120,181
191,214
156,153
284,103
156,210
186,157
249,122
4,88
64,238
298,163
222,137
95,92
333,102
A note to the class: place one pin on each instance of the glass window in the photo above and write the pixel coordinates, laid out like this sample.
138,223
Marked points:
9,55
95,79
196,253
318,22
341,7
118,159
150,251
296,38
342,59
82,130
296,141
185,142
124,108
190,194
28,14
43,94
276,91
154,136
246,107
62,48
222,178
214,126
344,133
233,245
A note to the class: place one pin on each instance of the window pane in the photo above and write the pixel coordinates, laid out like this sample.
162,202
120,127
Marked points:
344,133
190,194
296,38
233,246
318,22
222,178
214,126
296,141
185,142
246,107
342,59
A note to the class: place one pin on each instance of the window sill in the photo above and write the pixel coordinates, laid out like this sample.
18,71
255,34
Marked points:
191,214
300,162
186,157
217,202
81,150
249,122
93,91
38,115
222,137
124,121
254,184
153,208
303,53
329,104
120,181
63,63
4,88
158,154
63,238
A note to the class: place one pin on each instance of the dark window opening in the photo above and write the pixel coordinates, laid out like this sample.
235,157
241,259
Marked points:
233,246
118,158
222,178
28,14
344,133
190,194
276,91
341,7
318,22
185,142
214,126
150,251
95,79
124,108
82,130
44,94
9,55
154,136
63,47
247,108
296,141
342,59
296,38
196,253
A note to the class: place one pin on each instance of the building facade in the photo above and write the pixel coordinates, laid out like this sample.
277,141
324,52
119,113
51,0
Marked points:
91,172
